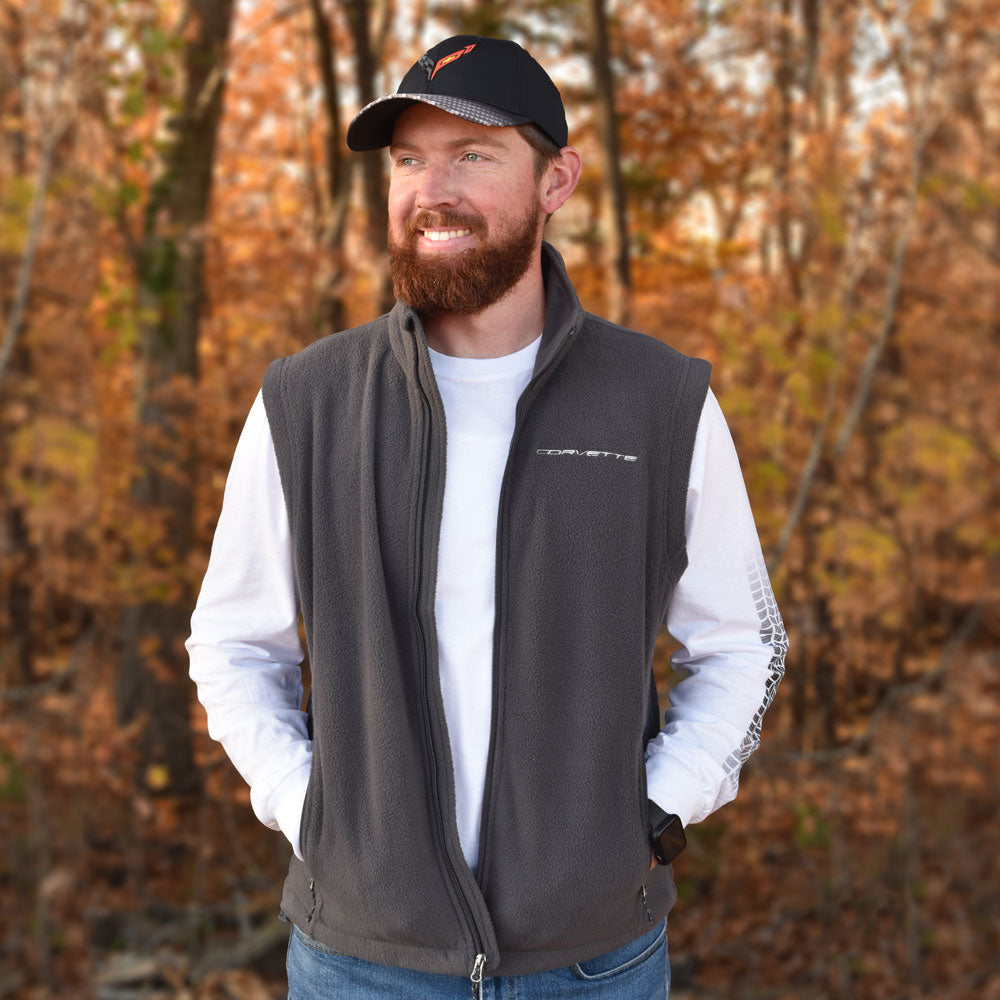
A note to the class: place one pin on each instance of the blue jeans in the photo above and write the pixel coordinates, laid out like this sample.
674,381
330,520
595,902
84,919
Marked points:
639,970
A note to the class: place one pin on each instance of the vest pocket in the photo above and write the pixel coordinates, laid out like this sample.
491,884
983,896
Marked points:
304,820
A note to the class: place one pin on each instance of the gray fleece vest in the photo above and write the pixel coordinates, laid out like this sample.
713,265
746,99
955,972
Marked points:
590,545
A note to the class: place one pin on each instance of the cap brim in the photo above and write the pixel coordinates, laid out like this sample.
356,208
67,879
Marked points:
372,126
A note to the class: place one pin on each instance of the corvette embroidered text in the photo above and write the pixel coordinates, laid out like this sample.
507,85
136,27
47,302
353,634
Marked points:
587,454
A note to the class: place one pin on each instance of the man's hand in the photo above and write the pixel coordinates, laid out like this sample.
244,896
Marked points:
652,861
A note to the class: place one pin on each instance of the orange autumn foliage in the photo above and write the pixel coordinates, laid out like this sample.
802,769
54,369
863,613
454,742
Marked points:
813,204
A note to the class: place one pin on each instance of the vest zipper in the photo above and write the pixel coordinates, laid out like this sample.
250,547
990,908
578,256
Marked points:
530,391
479,962
645,904
476,978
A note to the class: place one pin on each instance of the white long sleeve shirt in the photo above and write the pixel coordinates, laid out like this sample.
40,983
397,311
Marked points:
246,655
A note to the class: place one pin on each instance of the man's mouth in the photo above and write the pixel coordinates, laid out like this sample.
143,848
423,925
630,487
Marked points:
442,235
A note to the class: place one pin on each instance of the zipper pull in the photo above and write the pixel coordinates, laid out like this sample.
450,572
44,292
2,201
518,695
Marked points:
477,976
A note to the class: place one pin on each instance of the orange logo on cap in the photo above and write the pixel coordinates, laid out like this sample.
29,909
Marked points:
445,60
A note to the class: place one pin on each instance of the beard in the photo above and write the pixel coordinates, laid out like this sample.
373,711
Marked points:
469,280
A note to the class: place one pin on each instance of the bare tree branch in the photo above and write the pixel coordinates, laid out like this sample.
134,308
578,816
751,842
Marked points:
798,507
811,466
70,30
35,217
27,692
862,393
867,378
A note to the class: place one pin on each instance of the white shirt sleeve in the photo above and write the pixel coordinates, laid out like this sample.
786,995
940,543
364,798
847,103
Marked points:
244,644
732,639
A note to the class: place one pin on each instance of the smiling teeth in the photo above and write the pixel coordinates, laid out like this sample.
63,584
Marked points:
442,234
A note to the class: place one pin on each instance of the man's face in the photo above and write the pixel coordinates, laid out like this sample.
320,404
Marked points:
465,217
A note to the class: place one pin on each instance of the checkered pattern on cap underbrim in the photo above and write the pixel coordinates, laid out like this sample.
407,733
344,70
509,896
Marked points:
463,107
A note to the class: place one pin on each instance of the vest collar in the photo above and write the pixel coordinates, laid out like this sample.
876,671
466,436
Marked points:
563,312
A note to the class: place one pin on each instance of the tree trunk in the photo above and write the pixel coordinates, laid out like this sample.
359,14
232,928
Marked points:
811,21
18,555
372,161
784,81
338,178
613,197
152,683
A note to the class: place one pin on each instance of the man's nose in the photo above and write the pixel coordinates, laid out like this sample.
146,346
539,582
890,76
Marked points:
437,187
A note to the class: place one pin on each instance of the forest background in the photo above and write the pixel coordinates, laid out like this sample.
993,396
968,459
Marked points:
806,193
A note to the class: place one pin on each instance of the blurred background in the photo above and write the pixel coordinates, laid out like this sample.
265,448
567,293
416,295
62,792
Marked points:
806,193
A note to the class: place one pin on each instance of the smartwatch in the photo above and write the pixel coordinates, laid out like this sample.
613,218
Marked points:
666,834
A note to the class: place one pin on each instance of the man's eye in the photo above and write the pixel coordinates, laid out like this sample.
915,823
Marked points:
471,157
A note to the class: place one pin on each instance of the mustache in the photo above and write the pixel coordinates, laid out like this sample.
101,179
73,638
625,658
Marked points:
426,219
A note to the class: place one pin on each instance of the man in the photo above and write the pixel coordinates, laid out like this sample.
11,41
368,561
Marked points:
484,504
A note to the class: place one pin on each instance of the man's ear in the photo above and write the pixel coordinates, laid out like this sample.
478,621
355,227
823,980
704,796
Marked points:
560,179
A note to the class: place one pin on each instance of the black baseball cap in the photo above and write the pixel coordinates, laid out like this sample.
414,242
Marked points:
486,80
